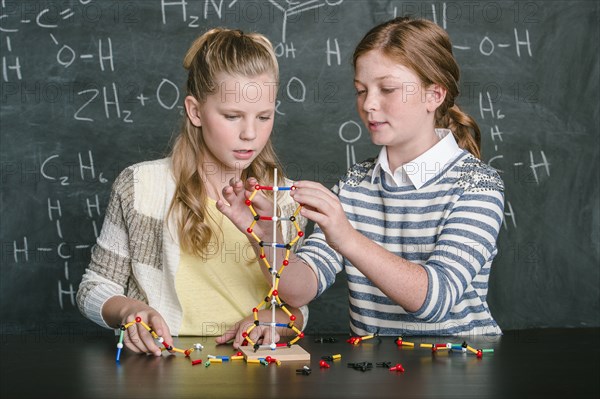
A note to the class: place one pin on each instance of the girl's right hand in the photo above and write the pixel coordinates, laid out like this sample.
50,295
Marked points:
236,194
137,338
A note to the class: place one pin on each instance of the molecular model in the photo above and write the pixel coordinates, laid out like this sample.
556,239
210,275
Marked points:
168,347
273,296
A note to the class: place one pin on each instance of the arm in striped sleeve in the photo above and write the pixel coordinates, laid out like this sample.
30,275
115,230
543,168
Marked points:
324,261
466,244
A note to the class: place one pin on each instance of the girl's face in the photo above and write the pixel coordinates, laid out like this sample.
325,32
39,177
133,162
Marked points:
394,106
236,121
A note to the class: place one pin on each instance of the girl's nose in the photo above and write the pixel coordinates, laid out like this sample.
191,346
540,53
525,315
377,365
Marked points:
248,132
371,103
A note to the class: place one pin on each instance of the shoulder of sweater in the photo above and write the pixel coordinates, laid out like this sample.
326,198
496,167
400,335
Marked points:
148,179
157,167
146,172
475,175
357,173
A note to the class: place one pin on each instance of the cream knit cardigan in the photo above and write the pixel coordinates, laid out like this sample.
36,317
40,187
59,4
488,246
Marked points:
137,252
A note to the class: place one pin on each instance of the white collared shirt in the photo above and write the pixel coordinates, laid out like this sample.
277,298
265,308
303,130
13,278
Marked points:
423,168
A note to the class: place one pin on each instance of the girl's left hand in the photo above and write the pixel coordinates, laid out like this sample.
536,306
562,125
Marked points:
260,334
324,208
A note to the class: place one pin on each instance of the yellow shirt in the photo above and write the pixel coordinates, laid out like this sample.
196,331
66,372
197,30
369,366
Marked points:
221,288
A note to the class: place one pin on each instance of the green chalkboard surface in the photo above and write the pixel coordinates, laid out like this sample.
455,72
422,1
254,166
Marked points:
89,87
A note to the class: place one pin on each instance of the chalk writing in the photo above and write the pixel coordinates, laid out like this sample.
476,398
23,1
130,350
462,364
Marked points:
89,85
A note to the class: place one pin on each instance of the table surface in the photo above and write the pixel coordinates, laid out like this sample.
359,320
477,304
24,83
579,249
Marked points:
545,363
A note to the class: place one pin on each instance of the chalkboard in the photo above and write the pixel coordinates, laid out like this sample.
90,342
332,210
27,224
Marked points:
90,87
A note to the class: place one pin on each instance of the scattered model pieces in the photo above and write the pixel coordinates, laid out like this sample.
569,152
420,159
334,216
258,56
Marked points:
332,357
328,340
400,342
362,366
357,340
397,367
323,364
305,370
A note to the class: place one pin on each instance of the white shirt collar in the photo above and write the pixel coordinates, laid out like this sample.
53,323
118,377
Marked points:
423,168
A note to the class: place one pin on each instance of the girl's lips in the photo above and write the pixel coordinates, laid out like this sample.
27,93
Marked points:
376,125
243,154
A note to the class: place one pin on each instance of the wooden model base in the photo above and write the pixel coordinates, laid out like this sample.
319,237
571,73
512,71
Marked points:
284,354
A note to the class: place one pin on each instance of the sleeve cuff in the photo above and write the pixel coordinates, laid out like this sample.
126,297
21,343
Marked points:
425,309
304,311
95,303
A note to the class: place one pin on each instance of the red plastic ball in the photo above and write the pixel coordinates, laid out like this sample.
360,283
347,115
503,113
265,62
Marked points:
244,334
301,335
257,187
292,318
397,367
138,319
286,262
300,234
254,310
275,292
248,202
262,256
249,230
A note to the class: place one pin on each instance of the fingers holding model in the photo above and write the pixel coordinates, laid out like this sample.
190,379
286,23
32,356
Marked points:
324,208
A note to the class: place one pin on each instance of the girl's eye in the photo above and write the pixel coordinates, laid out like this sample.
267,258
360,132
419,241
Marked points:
264,118
360,92
231,117
388,90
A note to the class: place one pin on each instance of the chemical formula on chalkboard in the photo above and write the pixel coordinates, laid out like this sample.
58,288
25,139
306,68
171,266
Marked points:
90,87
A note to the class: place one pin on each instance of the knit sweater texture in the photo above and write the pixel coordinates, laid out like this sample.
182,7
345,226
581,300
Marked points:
138,251
449,226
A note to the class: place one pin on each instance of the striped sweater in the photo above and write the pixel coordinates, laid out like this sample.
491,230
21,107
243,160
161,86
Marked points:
449,227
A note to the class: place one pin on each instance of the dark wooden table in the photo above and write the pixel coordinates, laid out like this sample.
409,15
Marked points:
547,363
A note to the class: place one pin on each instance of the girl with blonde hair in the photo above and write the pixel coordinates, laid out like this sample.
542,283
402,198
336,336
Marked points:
165,253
